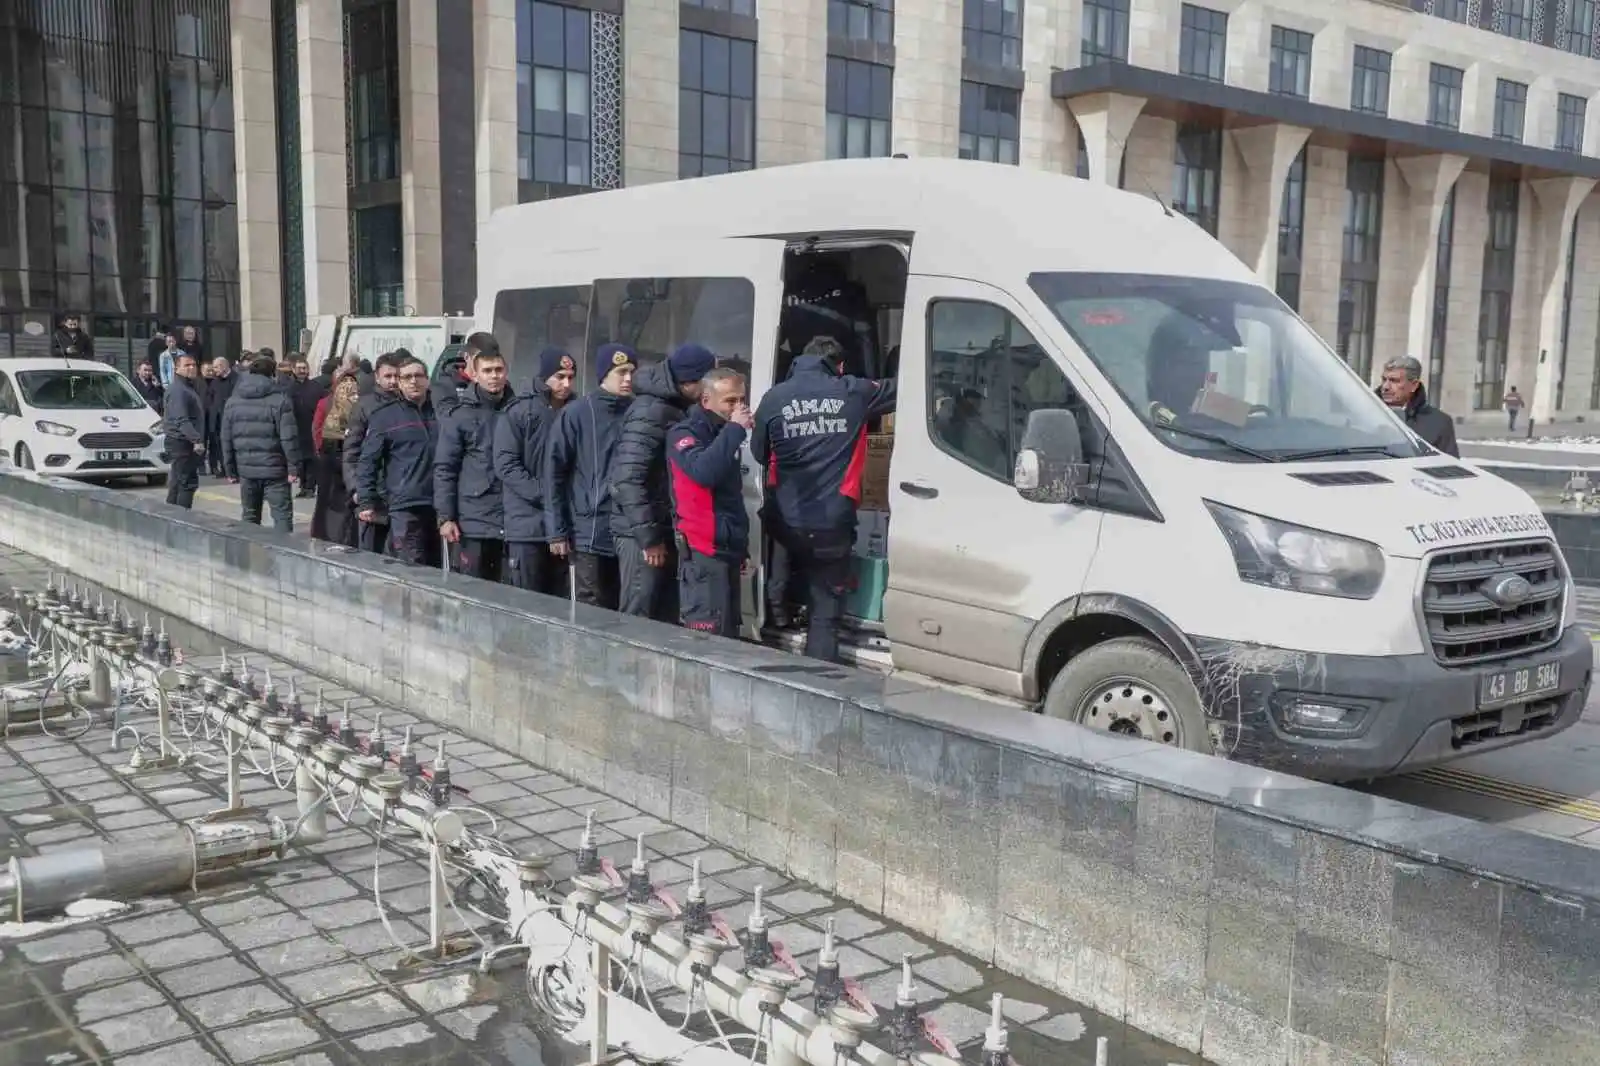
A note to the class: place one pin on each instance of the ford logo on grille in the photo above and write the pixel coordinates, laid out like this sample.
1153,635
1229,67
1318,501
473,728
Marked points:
110,420
1508,590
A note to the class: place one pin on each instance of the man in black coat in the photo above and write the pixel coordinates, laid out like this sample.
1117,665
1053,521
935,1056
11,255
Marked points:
374,531
219,388
395,471
261,446
144,379
466,489
71,342
520,440
183,421
1403,391
641,496
305,392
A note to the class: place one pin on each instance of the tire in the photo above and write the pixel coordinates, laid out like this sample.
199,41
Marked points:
1131,686
155,481
24,458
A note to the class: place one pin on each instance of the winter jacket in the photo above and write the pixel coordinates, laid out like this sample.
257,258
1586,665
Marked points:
74,344
166,365
521,441
466,489
184,419
216,397
703,452
396,466
303,399
153,393
1430,423
811,437
577,503
259,439
641,499
355,432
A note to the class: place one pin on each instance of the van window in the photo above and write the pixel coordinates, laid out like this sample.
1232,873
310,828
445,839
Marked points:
655,315
8,398
526,321
986,375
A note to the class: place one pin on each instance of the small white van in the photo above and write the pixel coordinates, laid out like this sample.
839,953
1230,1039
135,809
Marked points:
1129,487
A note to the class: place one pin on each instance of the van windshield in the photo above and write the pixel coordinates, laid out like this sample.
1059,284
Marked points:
1222,369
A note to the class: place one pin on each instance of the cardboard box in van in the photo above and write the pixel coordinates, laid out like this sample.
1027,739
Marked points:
875,477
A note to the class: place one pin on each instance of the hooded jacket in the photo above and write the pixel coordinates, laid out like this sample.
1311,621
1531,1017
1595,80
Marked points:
466,489
521,441
259,438
1429,423
708,485
355,431
183,419
811,437
641,501
578,471
396,466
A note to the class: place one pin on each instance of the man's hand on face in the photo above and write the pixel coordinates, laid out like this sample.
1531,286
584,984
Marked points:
449,532
742,416
656,556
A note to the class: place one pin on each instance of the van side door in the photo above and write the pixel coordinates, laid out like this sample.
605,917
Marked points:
972,565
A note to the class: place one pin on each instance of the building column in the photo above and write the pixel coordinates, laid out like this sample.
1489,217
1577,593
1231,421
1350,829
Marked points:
791,82
494,45
1253,173
319,42
650,92
1106,122
1583,331
1555,204
1048,137
420,199
1415,191
1322,239
255,160
1459,393
927,83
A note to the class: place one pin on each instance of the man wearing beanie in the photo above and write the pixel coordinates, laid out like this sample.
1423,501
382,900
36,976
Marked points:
466,490
521,439
641,496
577,506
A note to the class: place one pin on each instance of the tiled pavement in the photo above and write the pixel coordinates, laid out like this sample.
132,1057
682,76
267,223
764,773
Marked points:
288,963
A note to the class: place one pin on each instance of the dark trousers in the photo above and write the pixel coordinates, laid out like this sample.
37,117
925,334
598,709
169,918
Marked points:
373,537
708,589
821,558
308,473
213,456
253,490
184,479
414,536
595,579
647,591
529,565
478,557
333,518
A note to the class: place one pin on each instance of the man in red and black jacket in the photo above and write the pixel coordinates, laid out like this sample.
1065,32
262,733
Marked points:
811,437
704,461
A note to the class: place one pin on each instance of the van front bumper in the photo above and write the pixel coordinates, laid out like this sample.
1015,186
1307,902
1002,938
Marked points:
1412,712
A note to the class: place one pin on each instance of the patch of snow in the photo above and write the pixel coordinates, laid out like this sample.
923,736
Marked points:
95,908
77,913
440,995
31,819
178,795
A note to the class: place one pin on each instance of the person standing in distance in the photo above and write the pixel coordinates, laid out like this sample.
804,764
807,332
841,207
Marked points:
466,490
578,475
396,468
183,421
261,446
703,454
372,534
521,438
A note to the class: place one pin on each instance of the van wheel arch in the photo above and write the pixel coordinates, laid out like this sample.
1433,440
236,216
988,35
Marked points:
1078,624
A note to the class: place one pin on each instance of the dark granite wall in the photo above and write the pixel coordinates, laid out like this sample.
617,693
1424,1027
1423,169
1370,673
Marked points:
1255,917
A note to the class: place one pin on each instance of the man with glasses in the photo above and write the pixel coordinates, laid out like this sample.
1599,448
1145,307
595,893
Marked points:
395,471
383,386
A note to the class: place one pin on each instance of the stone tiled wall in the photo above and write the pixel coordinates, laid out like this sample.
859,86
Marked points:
1253,917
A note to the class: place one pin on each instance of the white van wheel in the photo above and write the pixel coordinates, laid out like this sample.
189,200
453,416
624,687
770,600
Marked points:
1130,686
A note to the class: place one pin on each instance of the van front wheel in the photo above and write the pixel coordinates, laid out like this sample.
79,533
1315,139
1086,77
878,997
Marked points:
1130,686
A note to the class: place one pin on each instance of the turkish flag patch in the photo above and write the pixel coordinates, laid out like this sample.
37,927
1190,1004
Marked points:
685,443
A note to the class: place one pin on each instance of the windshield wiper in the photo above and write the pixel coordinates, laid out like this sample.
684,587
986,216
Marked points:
1215,438
1334,453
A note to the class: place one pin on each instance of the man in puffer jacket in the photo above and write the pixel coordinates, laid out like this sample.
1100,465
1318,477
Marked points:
373,534
577,507
641,496
261,445
466,489
395,471
521,439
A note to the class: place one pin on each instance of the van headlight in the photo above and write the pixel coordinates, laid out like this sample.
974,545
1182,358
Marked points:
1283,556
55,429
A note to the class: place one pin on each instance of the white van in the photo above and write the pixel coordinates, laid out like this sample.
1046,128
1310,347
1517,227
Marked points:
370,336
1129,486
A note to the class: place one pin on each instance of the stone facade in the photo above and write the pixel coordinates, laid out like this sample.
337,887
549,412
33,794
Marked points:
255,158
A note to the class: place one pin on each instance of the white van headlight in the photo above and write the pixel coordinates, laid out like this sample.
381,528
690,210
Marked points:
1285,556
55,429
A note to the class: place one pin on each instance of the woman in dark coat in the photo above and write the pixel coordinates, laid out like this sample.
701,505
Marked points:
332,518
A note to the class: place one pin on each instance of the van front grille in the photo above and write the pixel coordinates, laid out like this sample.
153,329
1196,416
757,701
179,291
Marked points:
1466,623
119,442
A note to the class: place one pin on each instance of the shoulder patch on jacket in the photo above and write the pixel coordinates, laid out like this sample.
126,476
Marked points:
685,442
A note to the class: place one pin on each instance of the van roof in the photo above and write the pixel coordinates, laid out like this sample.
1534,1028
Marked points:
79,366
979,214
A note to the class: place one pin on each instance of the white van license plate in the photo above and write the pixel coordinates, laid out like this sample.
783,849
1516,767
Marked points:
1522,685
114,457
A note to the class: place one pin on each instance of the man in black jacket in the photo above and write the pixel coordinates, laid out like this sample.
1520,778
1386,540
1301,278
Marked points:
395,471
705,453
305,392
144,379
261,446
466,489
71,342
220,387
521,438
373,534
183,421
1402,390
641,497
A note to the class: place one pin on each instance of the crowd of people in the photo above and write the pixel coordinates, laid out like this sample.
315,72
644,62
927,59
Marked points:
629,497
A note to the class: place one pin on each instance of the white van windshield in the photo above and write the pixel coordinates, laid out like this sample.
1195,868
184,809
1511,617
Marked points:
1222,369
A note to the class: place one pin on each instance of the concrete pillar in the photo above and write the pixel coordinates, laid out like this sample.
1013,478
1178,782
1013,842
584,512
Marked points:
1049,139
1149,158
1459,397
255,160
1106,121
1322,247
494,45
325,211
927,88
791,82
420,200
1555,204
650,92
1583,328
1415,190
1255,164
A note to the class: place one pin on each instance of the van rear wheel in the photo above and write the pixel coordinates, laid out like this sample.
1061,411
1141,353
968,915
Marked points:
1131,686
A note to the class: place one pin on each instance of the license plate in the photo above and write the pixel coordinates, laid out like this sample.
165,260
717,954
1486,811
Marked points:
114,457
1521,685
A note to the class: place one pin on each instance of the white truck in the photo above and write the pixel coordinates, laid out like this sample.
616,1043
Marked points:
370,336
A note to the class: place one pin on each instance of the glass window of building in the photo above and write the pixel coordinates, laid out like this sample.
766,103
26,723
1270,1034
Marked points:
553,94
716,104
1444,95
1570,114
1566,311
733,7
1358,277
1444,255
1197,173
860,100
1369,80
1105,32
1290,74
1576,34
991,32
1510,109
1291,231
862,20
1499,283
1514,18
1203,43
380,260
989,122
1454,10
372,38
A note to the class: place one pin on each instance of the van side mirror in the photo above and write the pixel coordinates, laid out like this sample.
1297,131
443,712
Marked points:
1050,466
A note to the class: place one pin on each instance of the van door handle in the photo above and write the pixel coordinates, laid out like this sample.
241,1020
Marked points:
921,492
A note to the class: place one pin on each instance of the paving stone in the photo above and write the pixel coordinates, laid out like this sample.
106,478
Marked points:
466,1022
1063,1027
367,1012
961,1023
799,901
142,1029
253,908
893,946
340,915
1022,1012
155,927
206,977
372,937
133,819
949,972
95,971
884,987
271,929
329,982
260,1040
310,893
398,1037
181,950
849,923
217,1009
74,945
118,999
798,939
188,1053
301,954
